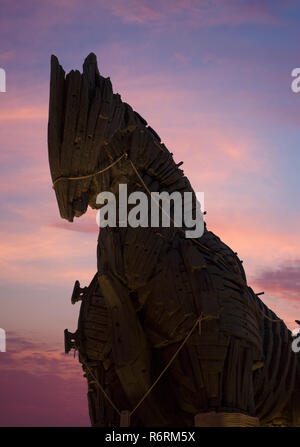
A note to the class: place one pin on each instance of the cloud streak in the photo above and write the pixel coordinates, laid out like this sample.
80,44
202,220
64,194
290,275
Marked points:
213,13
40,386
283,280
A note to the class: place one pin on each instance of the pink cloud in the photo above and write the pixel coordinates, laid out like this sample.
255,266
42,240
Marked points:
263,248
182,58
47,254
134,11
38,17
87,227
255,237
24,114
6,56
217,12
283,280
40,386
28,180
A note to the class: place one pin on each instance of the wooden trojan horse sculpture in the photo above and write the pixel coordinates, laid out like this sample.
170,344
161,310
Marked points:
169,333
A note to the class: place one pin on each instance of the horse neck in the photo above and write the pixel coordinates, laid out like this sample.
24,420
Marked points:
150,170
154,163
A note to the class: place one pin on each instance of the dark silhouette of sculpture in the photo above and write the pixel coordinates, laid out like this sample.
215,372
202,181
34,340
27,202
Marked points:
158,296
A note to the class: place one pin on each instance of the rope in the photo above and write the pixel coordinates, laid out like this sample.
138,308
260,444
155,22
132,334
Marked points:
101,387
269,318
201,318
198,321
90,175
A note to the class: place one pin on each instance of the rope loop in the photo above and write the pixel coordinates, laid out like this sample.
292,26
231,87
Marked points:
59,179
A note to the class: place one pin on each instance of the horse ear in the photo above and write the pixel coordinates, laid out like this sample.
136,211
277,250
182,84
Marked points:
56,111
56,130
91,73
90,65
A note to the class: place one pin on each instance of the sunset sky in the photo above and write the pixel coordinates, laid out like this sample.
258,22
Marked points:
213,78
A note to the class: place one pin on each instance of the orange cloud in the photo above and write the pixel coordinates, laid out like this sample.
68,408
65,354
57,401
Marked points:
47,255
24,114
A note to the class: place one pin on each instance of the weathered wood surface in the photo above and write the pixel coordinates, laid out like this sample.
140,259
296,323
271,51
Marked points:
214,419
153,283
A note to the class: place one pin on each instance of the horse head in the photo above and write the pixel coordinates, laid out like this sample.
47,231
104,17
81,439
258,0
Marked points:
84,114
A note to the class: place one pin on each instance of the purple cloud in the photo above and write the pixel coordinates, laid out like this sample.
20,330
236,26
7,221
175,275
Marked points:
283,281
40,386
